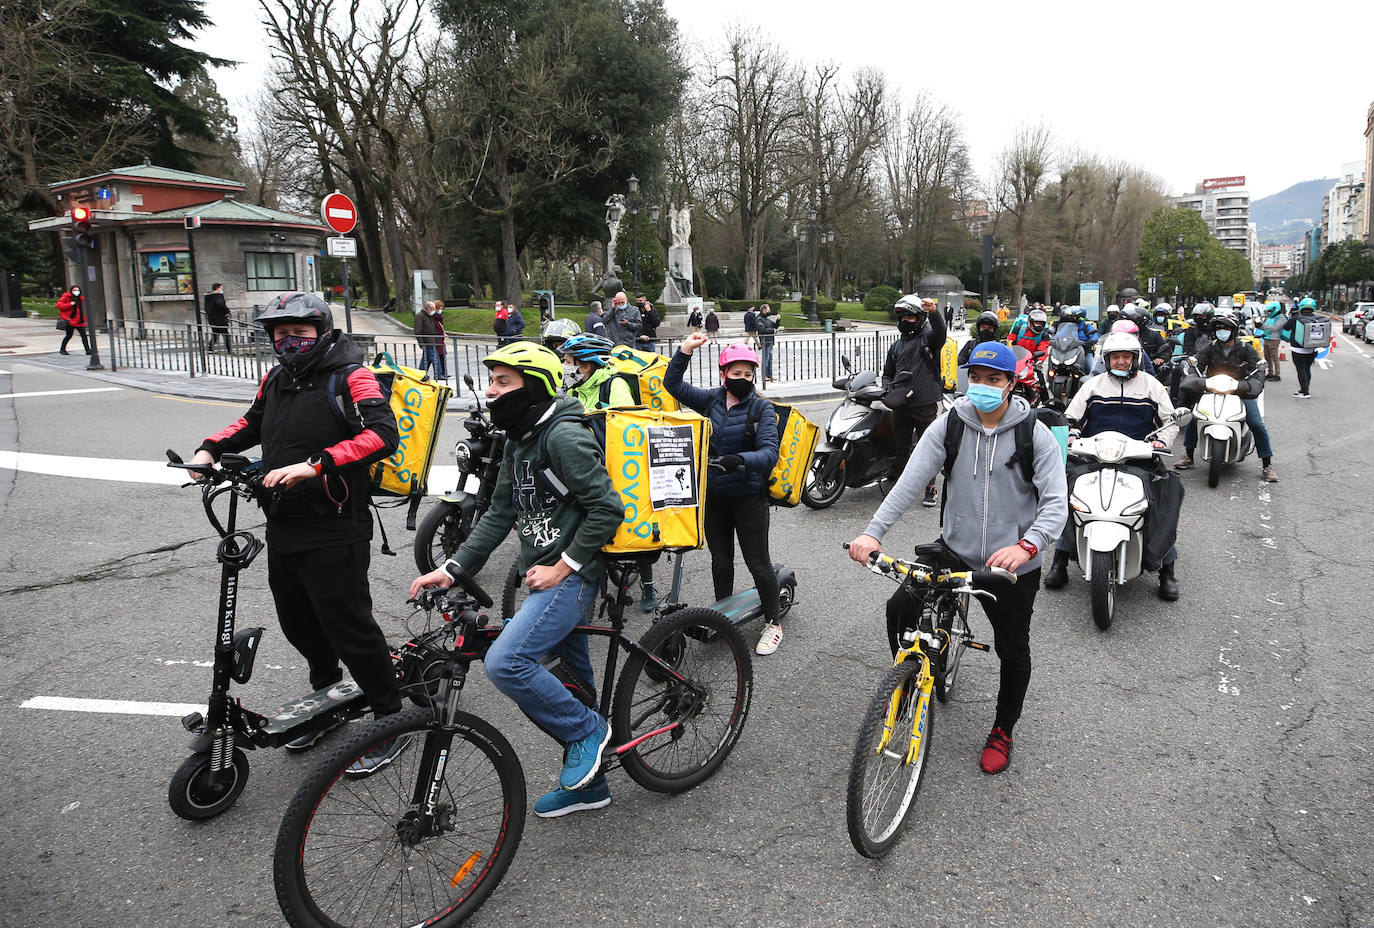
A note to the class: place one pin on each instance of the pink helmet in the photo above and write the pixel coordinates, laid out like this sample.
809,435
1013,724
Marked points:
738,352
1125,325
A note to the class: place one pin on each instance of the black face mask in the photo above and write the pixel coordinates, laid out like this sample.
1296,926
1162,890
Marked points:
739,387
987,335
516,412
910,326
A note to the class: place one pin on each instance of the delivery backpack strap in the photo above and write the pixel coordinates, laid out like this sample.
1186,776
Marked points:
543,467
338,405
1024,456
604,394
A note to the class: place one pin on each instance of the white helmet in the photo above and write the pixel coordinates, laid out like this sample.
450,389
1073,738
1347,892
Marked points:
1121,341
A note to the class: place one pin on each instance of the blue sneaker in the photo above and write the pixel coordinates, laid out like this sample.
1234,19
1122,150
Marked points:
595,795
583,758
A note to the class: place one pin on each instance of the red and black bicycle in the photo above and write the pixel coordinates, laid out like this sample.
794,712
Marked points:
426,839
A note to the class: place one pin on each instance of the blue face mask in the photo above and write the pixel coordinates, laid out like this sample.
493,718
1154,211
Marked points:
1223,335
1117,373
985,398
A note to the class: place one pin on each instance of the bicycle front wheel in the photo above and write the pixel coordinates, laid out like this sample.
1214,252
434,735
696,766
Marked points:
890,758
688,721
361,852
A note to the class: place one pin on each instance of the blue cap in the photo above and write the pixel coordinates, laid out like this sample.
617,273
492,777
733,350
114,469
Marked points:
994,355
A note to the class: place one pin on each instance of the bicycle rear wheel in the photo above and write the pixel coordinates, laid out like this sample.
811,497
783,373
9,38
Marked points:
357,852
890,758
689,725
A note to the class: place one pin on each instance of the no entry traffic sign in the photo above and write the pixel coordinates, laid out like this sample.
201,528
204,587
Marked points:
338,213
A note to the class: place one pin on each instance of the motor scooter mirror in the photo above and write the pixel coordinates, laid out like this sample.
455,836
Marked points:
1182,414
844,359
467,379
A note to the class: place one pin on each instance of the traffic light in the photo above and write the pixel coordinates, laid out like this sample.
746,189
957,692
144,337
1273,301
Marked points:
81,222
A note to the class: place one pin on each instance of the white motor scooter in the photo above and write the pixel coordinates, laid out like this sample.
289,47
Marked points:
1223,436
1108,506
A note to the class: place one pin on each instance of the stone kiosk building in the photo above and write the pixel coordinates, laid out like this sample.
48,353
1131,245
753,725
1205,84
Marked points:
147,264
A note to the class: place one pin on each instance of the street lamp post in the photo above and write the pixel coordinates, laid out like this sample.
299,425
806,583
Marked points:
811,233
1179,252
635,203
1002,259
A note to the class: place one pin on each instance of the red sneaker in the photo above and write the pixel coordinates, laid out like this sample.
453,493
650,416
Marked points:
997,752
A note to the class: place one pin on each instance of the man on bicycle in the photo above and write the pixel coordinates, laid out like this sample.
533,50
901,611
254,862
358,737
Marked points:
565,509
993,516
319,529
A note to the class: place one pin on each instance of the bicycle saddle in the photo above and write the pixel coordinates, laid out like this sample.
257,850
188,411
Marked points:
937,554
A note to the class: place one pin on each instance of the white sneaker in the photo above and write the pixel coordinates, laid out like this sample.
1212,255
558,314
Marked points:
769,640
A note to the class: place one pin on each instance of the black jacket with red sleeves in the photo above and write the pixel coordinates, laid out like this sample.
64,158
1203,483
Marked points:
292,421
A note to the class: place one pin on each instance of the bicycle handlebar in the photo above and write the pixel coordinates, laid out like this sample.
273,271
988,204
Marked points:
434,597
886,565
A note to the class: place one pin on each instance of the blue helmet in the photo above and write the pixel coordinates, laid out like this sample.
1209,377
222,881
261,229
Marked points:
588,347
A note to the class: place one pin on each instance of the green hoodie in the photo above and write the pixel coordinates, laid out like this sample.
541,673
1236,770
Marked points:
589,393
573,528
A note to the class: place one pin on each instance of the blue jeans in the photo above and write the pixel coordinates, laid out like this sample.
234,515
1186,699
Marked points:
766,349
1253,418
541,626
434,361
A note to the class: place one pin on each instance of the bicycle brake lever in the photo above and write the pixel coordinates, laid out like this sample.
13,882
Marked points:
981,594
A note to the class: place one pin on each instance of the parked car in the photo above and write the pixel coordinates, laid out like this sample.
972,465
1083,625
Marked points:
1368,332
1354,321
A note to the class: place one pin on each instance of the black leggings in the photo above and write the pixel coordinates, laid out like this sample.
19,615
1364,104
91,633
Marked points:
747,518
1302,363
76,330
1010,617
324,605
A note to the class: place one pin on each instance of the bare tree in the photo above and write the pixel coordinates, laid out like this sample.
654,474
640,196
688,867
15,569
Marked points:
341,83
840,128
753,117
927,173
1019,178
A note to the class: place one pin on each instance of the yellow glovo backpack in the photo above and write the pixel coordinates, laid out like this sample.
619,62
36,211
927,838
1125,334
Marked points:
797,436
418,404
648,368
657,463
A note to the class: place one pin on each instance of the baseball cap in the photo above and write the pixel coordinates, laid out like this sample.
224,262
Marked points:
994,355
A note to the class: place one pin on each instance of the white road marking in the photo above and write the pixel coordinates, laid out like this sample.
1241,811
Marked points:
61,392
1325,364
115,706
442,478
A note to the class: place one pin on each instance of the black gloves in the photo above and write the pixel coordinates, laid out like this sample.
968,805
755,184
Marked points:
733,463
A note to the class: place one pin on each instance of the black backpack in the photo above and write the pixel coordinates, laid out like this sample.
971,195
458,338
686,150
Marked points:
1024,456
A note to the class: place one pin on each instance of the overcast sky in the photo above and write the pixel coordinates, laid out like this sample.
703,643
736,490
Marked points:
1188,89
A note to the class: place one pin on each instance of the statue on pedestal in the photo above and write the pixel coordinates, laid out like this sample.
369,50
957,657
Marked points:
615,208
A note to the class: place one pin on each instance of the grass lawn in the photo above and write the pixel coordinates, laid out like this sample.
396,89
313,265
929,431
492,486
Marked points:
42,305
465,321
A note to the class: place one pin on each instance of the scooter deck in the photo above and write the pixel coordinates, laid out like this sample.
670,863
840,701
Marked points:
294,717
745,606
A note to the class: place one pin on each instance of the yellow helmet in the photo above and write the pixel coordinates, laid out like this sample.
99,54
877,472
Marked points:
532,361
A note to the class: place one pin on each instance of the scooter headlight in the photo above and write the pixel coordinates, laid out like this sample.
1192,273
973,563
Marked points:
1078,504
860,435
1110,450
1137,508
462,453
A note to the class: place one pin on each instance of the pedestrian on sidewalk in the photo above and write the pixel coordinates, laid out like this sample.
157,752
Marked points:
426,337
217,315
71,308
767,323
712,323
440,338
751,327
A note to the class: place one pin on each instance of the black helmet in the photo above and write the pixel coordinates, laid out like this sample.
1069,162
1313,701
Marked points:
306,308
1135,314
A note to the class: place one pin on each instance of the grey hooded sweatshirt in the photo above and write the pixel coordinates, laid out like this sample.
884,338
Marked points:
989,505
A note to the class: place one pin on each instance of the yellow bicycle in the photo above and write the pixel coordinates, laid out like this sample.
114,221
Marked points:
894,741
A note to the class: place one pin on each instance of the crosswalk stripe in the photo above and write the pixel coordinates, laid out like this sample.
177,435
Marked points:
60,392
115,706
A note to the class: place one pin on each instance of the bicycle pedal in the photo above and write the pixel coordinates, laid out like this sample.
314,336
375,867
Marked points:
979,646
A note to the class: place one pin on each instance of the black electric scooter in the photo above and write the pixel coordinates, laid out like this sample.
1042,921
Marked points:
213,777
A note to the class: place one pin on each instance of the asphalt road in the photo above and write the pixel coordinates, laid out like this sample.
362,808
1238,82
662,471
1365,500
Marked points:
1204,762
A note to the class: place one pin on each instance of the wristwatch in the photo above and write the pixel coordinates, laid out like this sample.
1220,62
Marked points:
1029,548
317,461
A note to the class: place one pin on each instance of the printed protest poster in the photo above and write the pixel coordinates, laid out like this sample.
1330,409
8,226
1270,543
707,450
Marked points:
672,477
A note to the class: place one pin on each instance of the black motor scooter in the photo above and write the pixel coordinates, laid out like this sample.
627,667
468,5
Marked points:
859,445
213,777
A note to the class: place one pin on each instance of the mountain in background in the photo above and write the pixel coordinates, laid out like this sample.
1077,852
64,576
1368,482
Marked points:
1283,219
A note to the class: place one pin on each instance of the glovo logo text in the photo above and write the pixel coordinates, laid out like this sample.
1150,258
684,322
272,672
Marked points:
412,403
633,466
